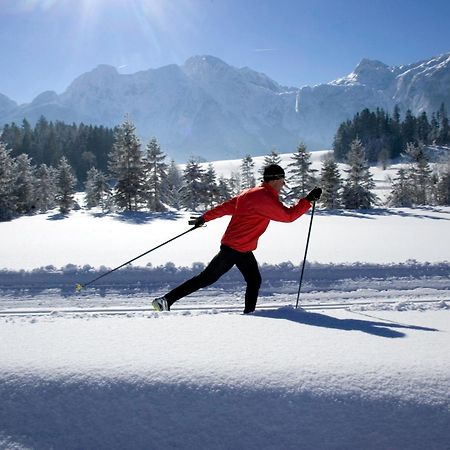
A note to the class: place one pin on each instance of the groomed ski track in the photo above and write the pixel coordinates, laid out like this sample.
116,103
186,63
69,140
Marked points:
205,308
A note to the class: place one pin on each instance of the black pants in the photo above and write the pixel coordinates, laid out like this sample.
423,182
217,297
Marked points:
219,265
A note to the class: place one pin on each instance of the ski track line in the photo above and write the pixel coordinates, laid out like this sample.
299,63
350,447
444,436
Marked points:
58,312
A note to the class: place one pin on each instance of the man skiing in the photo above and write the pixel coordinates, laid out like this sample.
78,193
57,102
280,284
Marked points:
251,212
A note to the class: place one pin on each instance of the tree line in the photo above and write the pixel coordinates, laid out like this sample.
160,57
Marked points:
139,179
83,146
385,137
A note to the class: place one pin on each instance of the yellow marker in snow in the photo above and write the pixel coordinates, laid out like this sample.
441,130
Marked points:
78,287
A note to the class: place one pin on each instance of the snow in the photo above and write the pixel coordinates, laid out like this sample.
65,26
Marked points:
383,235
363,364
278,379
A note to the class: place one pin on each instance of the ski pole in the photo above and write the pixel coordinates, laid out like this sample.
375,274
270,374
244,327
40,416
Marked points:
79,286
306,251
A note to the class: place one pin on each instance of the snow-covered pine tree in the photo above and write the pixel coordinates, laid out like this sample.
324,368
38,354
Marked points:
272,158
443,187
174,183
211,192
7,182
247,173
193,189
301,179
223,190
125,164
98,192
357,192
419,174
331,183
444,127
401,191
234,183
24,185
65,186
45,187
155,170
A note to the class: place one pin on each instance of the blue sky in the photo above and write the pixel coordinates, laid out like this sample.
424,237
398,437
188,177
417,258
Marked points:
47,43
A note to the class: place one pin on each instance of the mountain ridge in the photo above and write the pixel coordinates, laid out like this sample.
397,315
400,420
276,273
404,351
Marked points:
209,108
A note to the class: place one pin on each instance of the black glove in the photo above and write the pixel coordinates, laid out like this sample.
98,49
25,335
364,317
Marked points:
314,195
197,221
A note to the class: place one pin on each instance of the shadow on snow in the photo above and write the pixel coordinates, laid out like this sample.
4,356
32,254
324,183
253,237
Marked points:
419,213
379,328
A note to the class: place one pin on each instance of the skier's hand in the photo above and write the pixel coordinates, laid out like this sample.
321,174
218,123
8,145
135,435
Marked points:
314,195
197,221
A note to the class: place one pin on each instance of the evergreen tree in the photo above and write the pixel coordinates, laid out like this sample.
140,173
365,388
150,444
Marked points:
7,183
444,129
174,183
11,136
247,173
396,115
345,134
359,183
401,192
65,186
331,183
98,192
27,138
443,187
155,170
423,128
211,192
24,185
434,129
125,164
192,190
223,190
409,128
272,158
302,178
234,183
45,188
419,174
84,146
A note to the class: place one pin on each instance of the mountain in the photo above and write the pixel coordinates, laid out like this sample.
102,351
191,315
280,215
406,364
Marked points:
207,107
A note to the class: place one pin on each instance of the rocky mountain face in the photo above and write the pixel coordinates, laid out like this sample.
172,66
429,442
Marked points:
211,109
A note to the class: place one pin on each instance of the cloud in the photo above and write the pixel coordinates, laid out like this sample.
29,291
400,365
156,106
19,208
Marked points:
264,49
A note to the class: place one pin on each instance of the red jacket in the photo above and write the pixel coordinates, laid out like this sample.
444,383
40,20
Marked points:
252,210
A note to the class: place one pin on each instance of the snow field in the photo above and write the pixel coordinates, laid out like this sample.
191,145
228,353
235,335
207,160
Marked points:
381,237
277,379
373,376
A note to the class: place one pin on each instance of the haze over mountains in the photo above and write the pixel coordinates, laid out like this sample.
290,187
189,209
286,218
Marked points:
208,108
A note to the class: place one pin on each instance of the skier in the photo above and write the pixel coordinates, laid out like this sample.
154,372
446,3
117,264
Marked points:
251,212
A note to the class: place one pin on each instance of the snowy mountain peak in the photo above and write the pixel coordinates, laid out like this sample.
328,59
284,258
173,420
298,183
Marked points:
105,70
370,65
261,79
205,67
98,76
205,61
45,98
368,72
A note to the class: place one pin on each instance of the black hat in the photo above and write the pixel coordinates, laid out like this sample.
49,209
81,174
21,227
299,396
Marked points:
273,172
